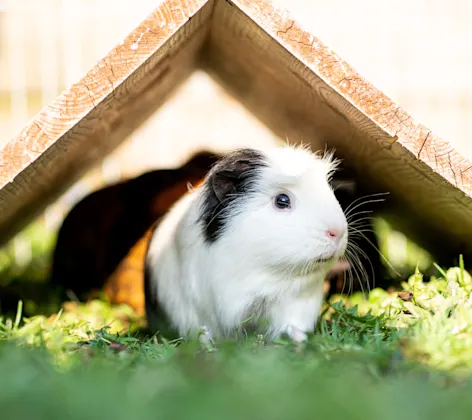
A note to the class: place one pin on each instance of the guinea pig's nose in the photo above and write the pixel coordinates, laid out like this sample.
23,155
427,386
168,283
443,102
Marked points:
335,233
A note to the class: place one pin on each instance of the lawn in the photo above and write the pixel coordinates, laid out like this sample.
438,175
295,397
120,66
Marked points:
404,355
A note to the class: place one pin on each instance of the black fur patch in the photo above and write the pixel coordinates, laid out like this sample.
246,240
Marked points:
228,182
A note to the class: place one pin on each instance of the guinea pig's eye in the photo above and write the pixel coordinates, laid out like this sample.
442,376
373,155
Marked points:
282,201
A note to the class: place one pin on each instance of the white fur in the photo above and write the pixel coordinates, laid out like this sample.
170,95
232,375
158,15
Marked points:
265,255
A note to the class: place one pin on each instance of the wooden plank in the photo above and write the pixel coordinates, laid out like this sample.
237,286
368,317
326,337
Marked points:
94,115
303,91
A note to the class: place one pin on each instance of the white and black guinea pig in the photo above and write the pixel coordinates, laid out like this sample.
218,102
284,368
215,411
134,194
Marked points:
254,240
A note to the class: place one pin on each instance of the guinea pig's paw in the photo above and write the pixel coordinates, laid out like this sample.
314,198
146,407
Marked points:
205,338
296,334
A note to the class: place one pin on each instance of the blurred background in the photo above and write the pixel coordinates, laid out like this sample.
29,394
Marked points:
418,52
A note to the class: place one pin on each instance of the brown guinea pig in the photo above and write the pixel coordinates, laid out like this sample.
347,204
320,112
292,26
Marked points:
101,243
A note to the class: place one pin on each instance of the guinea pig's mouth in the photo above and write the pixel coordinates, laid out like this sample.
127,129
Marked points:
315,265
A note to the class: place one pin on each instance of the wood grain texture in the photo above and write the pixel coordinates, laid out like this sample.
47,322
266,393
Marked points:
95,114
304,92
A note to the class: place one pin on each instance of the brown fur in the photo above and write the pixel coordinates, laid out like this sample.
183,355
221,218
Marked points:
102,242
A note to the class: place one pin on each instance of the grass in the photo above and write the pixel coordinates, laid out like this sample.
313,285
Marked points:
384,358
404,355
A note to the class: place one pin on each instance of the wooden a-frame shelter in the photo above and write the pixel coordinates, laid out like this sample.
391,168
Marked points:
283,74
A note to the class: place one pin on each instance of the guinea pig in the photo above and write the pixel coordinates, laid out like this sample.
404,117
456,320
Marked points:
102,242
252,245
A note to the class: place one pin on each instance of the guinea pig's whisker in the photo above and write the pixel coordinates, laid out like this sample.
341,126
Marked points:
351,215
377,249
357,248
355,232
358,227
355,268
360,223
351,276
351,280
289,271
306,267
362,219
351,272
359,271
348,210
363,197
370,196
347,273
340,185
360,253
359,232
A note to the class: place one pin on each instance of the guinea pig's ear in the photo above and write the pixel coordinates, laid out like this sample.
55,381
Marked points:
226,181
222,183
